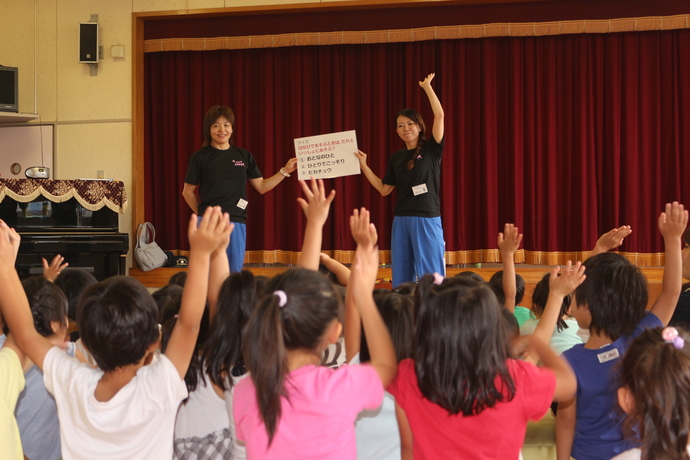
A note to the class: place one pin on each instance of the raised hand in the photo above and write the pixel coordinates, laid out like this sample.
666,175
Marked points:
509,240
673,220
10,240
427,81
52,270
363,232
570,279
317,204
213,231
611,239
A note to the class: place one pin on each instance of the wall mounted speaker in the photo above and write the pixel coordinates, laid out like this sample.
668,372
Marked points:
88,42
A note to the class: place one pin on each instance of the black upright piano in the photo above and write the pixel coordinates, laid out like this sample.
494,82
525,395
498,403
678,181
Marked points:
88,239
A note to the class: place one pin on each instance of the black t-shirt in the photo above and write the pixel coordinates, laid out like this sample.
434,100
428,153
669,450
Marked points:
222,179
426,174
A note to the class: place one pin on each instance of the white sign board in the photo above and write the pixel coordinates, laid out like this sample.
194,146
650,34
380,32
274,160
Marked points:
327,155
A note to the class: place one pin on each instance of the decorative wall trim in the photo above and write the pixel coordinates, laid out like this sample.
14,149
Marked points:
528,29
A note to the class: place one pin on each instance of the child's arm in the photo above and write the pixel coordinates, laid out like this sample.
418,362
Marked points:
213,230
406,438
341,272
316,208
566,383
508,243
14,304
437,129
52,270
672,223
364,233
559,288
364,270
565,428
219,271
611,240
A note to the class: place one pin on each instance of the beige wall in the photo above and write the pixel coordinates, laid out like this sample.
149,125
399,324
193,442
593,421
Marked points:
92,114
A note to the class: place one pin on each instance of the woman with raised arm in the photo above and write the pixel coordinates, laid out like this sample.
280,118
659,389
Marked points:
221,170
417,244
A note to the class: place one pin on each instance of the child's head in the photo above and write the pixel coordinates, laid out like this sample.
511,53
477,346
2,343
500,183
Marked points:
540,295
655,392
73,283
118,322
299,312
396,312
496,283
472,275
613,297
461,345
223,350
179,278
406,288
163,295
48,306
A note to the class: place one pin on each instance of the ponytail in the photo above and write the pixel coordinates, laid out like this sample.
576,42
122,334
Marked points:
266,359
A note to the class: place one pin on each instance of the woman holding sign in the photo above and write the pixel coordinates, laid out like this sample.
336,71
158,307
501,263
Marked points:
220,170
417,244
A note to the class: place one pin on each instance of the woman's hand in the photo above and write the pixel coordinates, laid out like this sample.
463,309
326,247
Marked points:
427,81
291,165
362,157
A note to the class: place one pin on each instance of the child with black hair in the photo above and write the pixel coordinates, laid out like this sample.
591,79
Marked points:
36,411
655,394
73,282
461,383
565,335
124,409
508,286
292,408
611,303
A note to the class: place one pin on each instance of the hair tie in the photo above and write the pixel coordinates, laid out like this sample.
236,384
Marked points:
282,297
670,335
438,279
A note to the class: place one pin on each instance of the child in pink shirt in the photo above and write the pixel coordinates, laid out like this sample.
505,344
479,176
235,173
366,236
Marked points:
292,408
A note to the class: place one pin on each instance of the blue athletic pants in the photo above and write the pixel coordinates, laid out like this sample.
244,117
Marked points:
417,248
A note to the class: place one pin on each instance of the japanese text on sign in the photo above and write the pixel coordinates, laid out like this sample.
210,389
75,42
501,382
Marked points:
327,155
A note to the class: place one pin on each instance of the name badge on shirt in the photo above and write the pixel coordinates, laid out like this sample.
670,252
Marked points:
608,355
242,204
419,189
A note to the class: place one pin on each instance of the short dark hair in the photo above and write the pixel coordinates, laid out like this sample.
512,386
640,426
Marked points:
461,346
615,293
73,282
396,312
118,322
472,275
213,114
179,278
540,295
657,375
496,283
48,304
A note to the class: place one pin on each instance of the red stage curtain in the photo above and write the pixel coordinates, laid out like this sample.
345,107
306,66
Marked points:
567,136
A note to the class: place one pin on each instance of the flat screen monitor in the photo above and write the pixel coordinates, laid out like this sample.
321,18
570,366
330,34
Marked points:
9,86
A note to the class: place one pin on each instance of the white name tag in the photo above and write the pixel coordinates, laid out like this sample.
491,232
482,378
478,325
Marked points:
419,189
242,204
608,355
